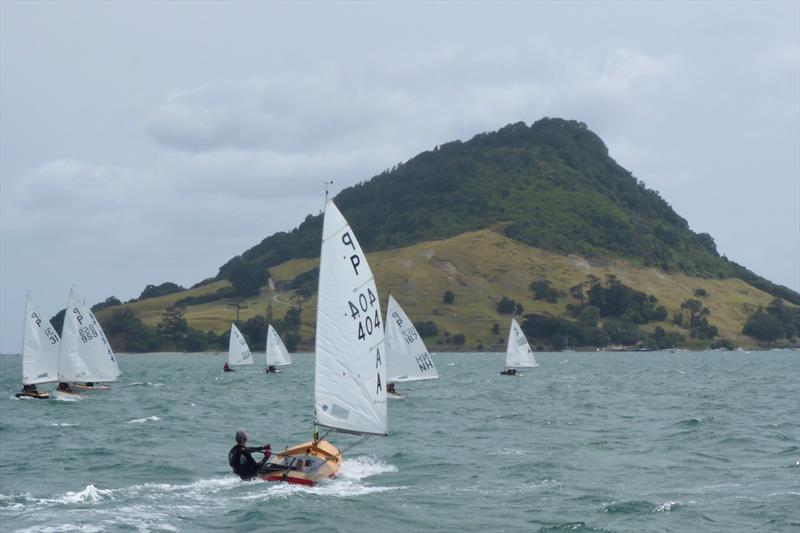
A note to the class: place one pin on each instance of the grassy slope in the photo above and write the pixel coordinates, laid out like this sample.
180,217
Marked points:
480,267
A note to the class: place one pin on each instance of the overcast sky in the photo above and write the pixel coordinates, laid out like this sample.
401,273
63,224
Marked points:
147,142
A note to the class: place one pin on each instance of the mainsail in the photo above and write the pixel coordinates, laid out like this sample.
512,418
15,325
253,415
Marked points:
518,353
407,358
238,351
40,345
85,353
350,376
277,354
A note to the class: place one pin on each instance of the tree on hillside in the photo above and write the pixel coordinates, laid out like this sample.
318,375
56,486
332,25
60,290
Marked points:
697,322
247,277
111,301
449,297
173,329
153,291
506,305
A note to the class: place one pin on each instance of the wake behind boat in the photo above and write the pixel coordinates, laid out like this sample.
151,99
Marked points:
349,372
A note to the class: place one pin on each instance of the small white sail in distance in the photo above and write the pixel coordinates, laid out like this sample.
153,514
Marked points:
85,353
277,354
238,350
518,353
350,374
407,358
40,346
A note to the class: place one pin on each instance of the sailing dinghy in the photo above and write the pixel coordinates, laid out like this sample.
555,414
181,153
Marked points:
407,358
85,355
518,352
238,350
349,373
40,344
277,354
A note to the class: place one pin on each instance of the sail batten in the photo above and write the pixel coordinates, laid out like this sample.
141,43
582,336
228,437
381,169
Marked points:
407,357
518,352
350,372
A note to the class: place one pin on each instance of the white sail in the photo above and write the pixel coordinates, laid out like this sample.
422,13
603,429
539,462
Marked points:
85,353
238,351
519,353
40,345
277,354
350,376
407,358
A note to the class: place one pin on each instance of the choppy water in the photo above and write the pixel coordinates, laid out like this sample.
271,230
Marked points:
585,442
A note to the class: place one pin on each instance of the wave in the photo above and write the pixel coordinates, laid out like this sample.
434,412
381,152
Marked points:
144,384
143,420
62,425
634,506
667,506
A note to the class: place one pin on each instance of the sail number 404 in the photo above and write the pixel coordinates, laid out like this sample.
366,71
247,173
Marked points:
365,311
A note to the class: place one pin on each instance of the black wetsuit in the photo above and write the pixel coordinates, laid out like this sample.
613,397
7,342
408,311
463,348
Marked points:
243,463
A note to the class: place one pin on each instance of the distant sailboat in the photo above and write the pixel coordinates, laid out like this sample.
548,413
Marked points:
40,345
85,355
407,358
277,354
238,350
349,374
518,352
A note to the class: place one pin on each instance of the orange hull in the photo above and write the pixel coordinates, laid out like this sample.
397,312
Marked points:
305,464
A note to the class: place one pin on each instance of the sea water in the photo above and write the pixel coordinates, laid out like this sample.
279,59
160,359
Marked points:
653,441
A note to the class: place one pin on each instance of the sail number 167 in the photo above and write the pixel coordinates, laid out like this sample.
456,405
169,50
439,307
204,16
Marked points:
362,311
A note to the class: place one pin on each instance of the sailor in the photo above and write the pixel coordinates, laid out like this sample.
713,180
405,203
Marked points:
390,388
64,387
240,459
226,368
29,388
270,369
510,372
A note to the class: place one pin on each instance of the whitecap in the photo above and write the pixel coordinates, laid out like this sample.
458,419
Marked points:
667,506
143,420
508,451
62,425
88,495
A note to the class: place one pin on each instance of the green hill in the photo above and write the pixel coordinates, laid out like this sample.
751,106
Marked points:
552,185
579,225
